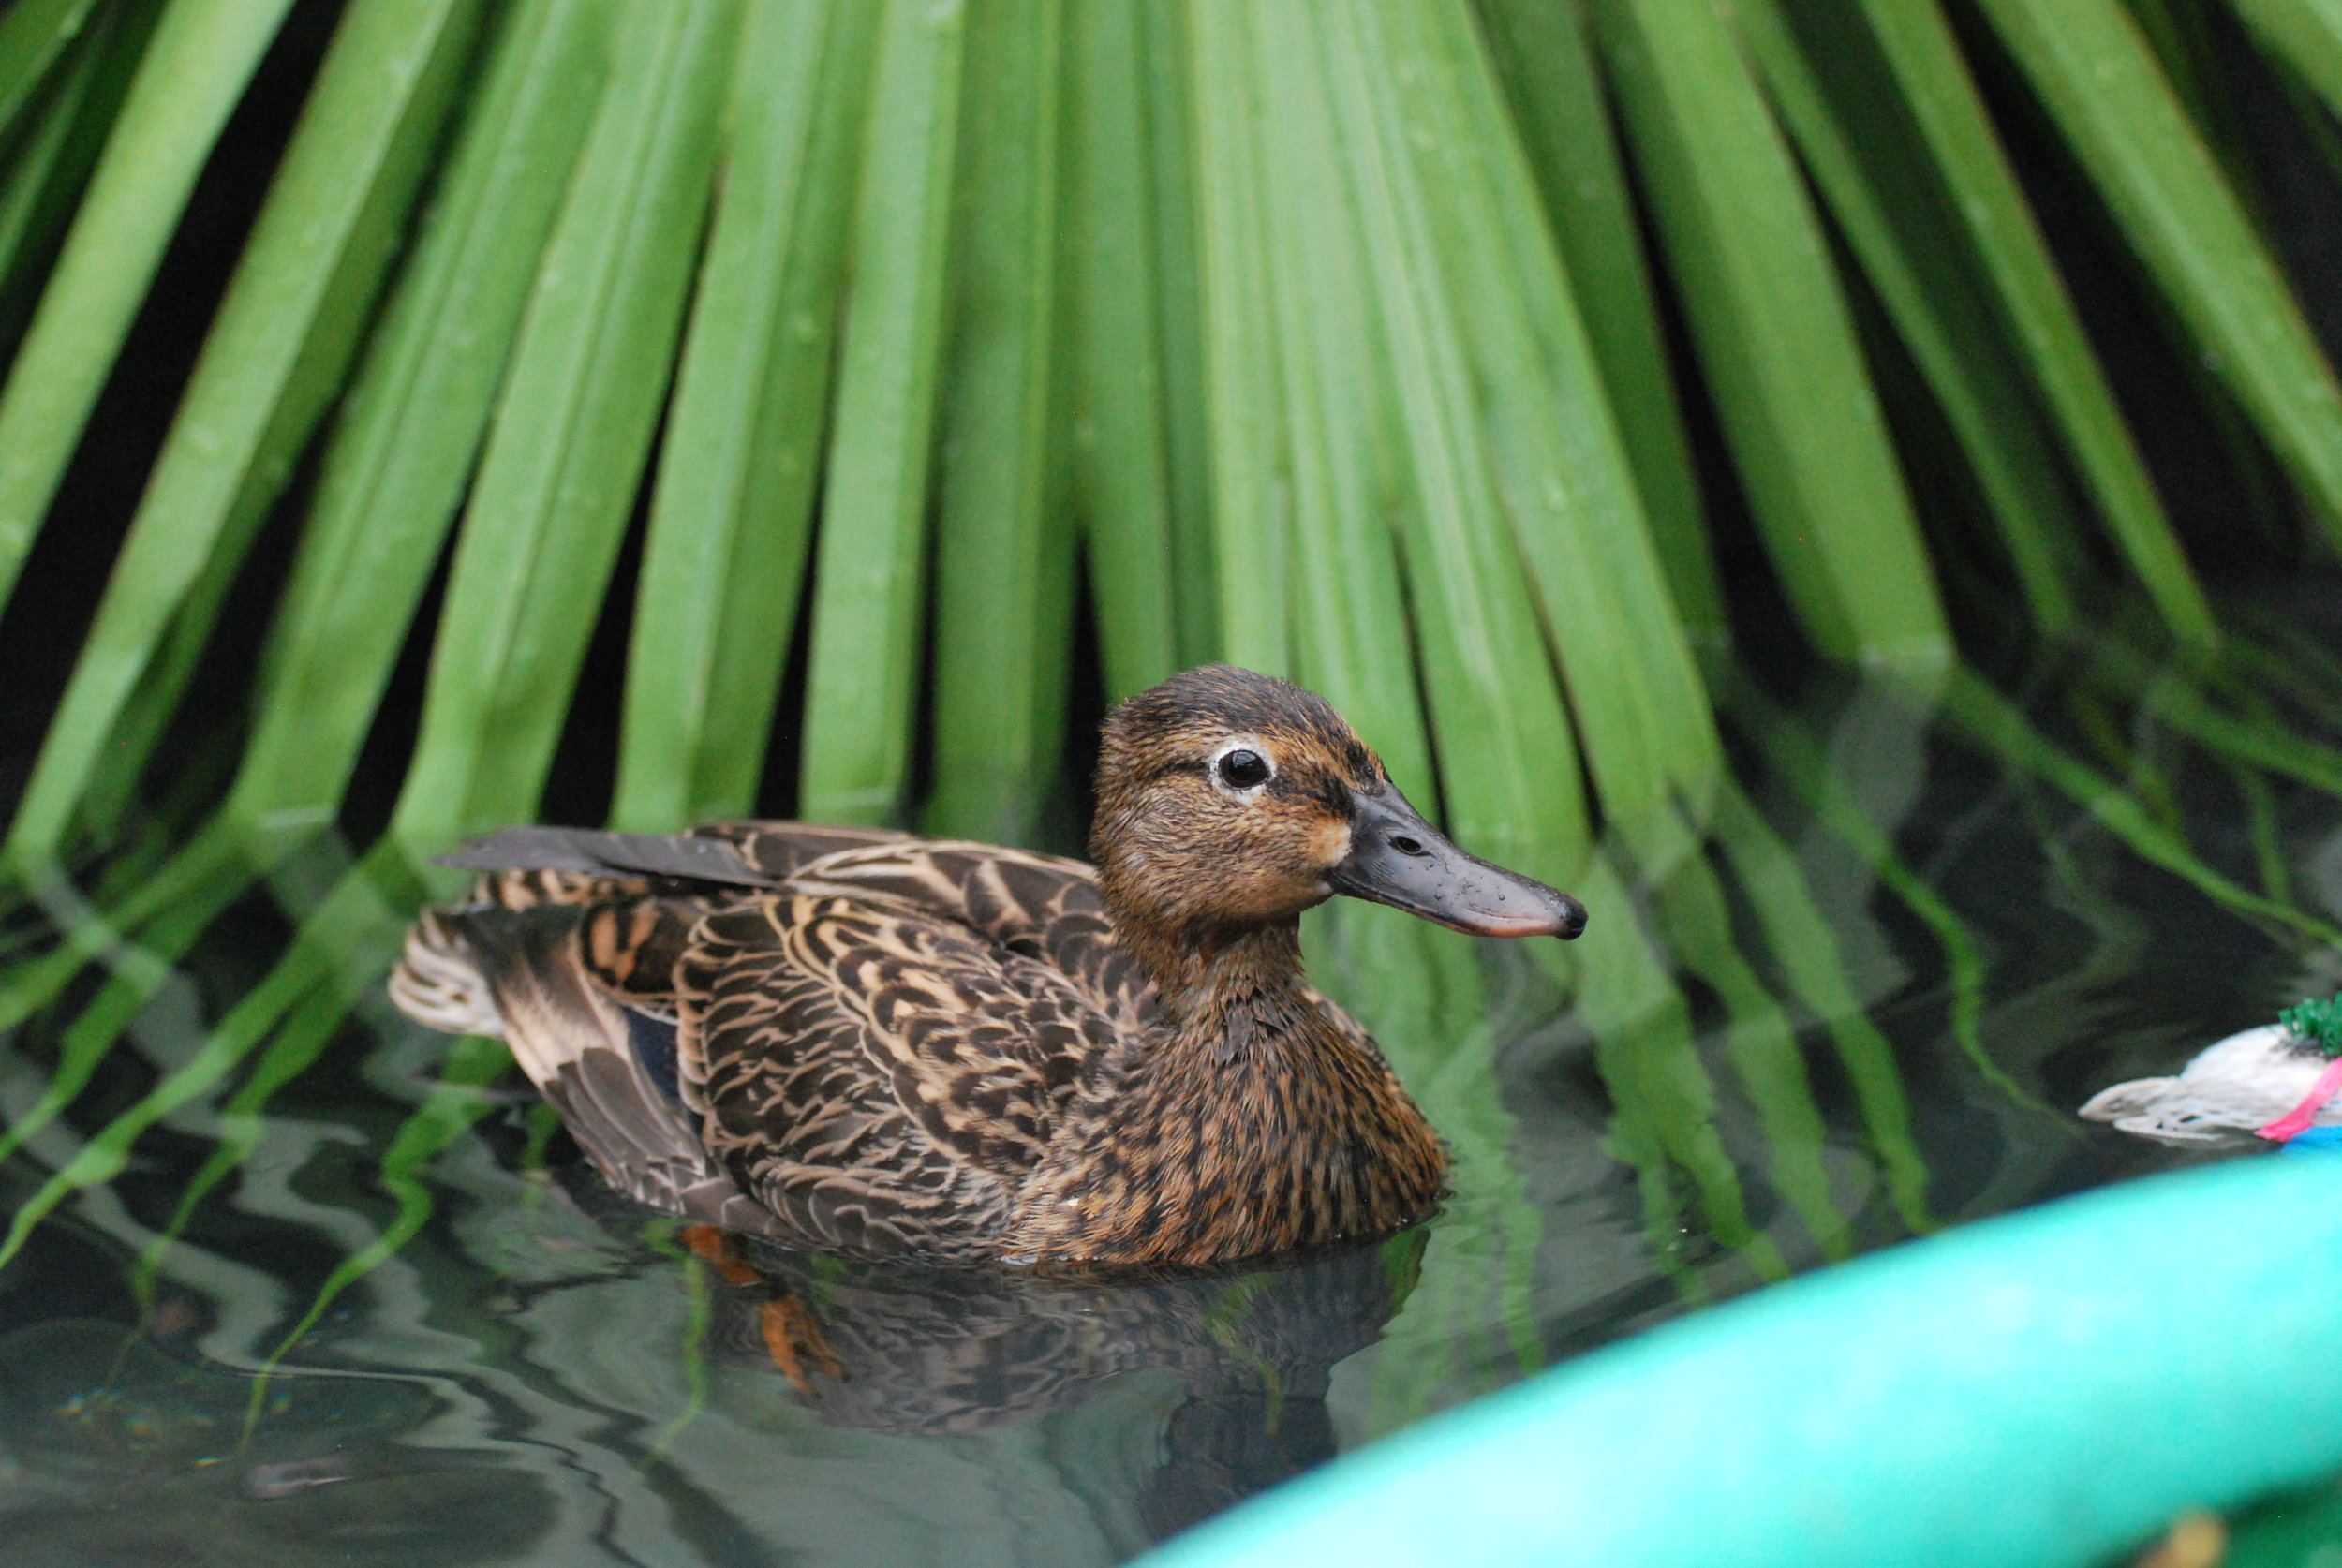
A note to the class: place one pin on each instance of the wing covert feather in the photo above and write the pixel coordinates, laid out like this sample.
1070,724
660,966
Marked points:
1040,906
880,1079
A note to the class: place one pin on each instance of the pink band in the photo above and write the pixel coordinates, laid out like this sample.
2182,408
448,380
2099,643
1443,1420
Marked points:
2296,1121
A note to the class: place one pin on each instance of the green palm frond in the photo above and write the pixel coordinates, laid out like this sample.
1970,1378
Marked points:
1327,338
824,405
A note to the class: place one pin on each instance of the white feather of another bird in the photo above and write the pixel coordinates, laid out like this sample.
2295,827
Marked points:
2239,1084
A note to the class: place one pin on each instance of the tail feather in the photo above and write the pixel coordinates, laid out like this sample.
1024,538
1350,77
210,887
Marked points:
516,974
437,986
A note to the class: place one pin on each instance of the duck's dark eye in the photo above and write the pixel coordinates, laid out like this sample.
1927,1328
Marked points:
1243,769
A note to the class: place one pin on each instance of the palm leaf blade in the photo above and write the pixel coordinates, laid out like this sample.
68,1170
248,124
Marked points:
2098,76
282,338
195,68
731,518
870,559
1774,336
572,430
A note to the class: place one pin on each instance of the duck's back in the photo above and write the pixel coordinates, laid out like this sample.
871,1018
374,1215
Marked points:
852,1040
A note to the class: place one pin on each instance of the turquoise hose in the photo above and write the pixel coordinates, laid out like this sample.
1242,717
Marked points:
2042,1389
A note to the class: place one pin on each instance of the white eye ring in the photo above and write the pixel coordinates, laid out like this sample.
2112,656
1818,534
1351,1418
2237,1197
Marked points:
1220,780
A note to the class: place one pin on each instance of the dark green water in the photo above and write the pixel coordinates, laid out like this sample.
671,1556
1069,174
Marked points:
1795,1048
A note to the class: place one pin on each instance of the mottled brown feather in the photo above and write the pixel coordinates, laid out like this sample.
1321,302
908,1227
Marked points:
880,1079
954,1049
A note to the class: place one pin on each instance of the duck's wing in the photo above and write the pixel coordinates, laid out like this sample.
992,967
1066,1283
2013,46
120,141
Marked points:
1044,906
880,1077
592,854
779,848
876,1049
608,1067
748,854
1040,906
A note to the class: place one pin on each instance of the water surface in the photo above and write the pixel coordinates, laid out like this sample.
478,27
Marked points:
399,1320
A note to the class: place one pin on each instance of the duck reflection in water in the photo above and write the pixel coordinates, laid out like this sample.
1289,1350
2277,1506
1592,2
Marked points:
932,1349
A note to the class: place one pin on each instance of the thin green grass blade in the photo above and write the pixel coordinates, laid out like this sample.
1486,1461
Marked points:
731,514
308,1025
1334,453
138,973
2296,663
109,50
1665,1099
1250,483
194,69
1794,756
1494,1227
573,428
391,473
2000,729
353,919
1509,783
129,864
111,788
455,1103
1420,991
543,1121
692,1350
2101,83
2306,35
2183,40
402,450
210,867
870,562
343,948
1666,1105
1167,92
273,360
2133,750
1349,610
33,35
1563,480
1542,56
2266,832
36,168
1762,1047
2315,118
1774,337
1880,191
1112,428
1004,547
2170,697
1806,949
1920,51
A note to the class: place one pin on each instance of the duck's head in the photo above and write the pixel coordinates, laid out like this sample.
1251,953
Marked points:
1228,799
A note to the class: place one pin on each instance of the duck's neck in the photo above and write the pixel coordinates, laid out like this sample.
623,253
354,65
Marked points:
1206,978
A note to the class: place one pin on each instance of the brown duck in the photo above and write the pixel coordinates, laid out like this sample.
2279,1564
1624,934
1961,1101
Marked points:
866,1042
